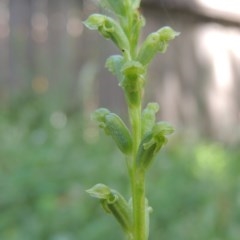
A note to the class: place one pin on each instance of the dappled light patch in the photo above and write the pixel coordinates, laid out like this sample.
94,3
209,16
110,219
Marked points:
58,119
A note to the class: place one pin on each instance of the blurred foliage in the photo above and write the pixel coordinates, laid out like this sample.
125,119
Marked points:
48,158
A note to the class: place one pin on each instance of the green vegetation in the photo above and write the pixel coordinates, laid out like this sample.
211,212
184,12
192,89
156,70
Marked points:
49,156
44,172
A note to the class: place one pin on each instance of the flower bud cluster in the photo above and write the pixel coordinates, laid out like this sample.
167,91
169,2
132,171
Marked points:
147,137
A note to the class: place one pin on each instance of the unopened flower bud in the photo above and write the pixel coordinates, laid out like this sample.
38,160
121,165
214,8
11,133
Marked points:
116,128
109,29
114,203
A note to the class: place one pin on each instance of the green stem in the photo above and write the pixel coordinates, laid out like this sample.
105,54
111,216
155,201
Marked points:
135,119
139,211
137,180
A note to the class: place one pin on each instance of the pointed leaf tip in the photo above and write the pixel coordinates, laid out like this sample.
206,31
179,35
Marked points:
100,191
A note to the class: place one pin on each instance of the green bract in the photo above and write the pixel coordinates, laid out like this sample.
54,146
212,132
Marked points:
149,118
156,42
114,65
132,69
152,143
159,132
133,82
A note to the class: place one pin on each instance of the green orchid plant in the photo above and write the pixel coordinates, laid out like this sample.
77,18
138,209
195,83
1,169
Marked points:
141,142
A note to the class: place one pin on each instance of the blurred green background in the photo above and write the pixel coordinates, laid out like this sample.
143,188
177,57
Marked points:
52,77
193,187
